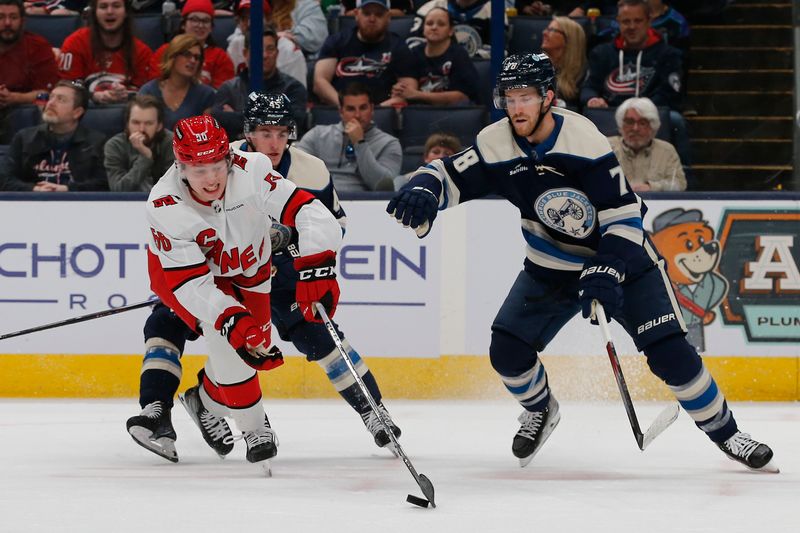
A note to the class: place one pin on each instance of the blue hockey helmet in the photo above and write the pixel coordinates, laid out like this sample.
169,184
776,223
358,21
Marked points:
269,109
521,71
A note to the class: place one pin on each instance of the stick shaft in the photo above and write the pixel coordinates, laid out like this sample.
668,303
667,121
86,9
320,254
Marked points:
77,319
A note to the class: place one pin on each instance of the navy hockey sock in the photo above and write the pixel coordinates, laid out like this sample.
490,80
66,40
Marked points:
520,369
344,382
161,373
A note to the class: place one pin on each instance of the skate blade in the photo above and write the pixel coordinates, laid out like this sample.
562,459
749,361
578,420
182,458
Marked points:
769,468
163,447
265,467
548,429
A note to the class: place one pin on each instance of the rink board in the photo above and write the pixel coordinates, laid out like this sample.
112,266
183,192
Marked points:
418,310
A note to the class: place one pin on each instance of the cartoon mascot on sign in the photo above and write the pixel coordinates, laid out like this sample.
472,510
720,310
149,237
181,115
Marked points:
687,243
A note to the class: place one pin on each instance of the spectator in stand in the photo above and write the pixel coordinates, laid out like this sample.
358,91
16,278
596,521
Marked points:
359,156
179,86
54,7
533,8
649,164
197,21
29,67
666,20
472,19
232,95
606,7
398,8
638,63
136,158
564,41
368,53
300,21
291,60
445,73
437,146
60,154
110,61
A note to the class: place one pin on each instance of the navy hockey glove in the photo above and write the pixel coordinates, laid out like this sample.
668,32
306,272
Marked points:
600,280
248,339
417,203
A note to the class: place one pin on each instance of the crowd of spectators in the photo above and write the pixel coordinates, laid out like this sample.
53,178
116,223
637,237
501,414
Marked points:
636,64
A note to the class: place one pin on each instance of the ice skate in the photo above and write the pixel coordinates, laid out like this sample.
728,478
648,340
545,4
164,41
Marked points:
536,428
262,445
152,429
214,429
377,430
751,453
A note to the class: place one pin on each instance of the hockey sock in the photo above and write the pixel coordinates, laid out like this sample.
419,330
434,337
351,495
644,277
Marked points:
529,388
706,404
161,372
344,382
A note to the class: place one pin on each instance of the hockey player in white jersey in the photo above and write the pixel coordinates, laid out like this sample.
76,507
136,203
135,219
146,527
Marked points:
210,262
583,227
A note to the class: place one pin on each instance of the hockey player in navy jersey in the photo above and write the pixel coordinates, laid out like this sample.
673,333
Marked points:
583,227
269,127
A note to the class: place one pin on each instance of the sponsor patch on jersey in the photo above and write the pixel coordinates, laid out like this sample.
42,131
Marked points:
566,210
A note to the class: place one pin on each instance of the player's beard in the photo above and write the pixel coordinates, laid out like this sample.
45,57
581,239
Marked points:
525,129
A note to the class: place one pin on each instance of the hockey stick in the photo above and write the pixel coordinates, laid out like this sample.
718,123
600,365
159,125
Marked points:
663,420
424,483
84,318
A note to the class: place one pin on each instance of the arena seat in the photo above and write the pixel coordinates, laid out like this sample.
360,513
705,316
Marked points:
485,82
412,159
526,34
604,119
384,117
399,25
24,116
421,121
223,27
108,119
54,28
150,29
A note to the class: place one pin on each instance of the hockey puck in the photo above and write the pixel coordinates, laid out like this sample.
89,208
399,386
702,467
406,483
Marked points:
422,502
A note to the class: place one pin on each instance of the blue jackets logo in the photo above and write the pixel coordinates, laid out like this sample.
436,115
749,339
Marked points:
566,210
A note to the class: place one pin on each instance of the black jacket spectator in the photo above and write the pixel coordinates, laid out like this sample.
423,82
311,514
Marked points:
33,148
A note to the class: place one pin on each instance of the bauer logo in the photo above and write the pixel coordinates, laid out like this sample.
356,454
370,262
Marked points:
566,210
760,259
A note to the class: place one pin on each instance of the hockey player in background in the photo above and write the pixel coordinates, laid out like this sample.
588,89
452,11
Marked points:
270,126
583,227
209,261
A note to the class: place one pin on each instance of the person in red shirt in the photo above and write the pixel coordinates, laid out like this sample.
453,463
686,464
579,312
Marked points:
111,62
198,19
29,67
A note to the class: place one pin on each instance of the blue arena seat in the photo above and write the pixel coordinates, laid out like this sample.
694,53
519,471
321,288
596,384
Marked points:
526,34
23,116
3,151
54,28
150,29
412,159
108,119
384,117
421,121
604,119
223,27
399,25
485,81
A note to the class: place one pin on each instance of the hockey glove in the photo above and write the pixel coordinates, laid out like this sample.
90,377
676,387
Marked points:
600,280
316,283
248,339
417,203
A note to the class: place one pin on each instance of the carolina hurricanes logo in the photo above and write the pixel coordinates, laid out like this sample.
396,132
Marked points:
362,66
625,82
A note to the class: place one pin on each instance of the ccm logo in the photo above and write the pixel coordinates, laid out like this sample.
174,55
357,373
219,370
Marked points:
317,273
650,324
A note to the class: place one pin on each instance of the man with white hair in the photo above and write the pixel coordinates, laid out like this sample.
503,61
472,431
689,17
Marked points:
650,164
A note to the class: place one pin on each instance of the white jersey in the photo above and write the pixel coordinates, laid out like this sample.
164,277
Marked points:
194,243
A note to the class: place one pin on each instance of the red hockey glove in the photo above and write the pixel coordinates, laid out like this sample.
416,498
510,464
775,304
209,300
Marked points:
248,339
317,283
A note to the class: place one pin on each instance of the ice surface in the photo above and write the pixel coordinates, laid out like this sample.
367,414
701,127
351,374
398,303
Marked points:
70,466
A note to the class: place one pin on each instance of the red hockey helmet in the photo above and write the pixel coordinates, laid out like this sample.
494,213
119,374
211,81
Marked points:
199,140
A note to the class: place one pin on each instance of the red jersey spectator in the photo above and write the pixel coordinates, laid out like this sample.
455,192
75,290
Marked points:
198,19
29,66
111,62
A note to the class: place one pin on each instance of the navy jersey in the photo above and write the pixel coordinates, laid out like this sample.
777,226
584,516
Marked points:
451,71
570,190
377,65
